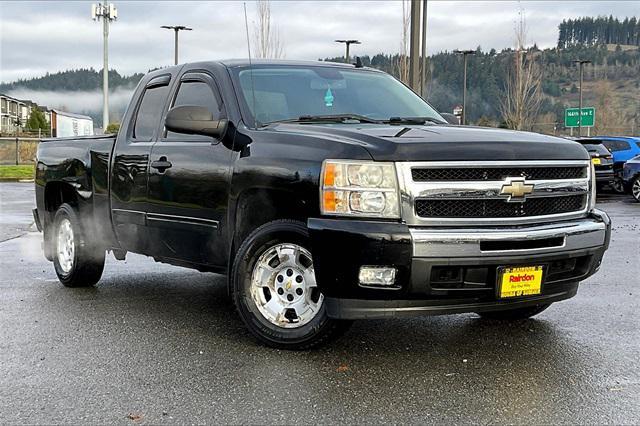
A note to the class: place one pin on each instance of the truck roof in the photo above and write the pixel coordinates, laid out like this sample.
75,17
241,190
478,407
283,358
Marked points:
232,63
245,62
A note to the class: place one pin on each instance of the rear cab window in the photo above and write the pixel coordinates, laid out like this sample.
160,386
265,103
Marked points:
150,109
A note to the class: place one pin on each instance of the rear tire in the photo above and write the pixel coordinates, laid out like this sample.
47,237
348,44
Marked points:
617,185
514,314
274,290
78,262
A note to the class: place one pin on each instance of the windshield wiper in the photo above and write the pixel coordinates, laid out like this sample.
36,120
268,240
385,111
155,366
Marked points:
413,120
330,118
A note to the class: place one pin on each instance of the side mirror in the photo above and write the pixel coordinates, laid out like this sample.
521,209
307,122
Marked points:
451,119
194,120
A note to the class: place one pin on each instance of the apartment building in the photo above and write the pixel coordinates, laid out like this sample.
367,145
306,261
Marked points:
14,114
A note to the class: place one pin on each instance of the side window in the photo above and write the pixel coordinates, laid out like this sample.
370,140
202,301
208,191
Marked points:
149,113
615,146
197,93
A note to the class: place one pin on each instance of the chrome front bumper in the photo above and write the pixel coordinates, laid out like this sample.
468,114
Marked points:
589,232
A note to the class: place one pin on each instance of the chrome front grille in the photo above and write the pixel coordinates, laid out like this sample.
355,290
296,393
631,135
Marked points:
496,173
499,208
471,193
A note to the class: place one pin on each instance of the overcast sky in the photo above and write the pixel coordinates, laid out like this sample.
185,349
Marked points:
40,37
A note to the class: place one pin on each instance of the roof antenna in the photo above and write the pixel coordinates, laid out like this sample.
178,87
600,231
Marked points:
253,90
358,63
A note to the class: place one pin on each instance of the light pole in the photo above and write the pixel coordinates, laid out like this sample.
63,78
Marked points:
108,13
581,63
176,29
347,44
423,75
464,54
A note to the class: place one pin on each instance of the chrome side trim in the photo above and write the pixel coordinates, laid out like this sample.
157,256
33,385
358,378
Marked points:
157,217
437,242
410,191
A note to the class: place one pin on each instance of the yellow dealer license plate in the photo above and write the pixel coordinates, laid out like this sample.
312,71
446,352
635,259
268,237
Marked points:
519,281
595,161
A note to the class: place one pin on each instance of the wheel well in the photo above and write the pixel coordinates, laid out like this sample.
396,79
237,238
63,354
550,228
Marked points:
56,193
256,207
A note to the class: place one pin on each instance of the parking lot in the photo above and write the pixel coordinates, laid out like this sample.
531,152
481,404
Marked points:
154,343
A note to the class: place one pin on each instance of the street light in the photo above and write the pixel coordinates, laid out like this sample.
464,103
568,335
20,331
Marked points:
347,44
464,54
176,29
108,13
581,63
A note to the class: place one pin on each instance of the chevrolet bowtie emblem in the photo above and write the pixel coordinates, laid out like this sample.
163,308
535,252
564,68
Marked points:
516,189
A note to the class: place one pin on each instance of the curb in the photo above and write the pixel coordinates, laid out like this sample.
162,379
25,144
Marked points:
16,180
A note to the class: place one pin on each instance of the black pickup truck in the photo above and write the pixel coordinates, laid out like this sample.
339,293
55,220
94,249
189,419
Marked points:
327,193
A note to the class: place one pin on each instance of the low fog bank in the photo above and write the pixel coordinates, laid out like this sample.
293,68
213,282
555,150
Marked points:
79,102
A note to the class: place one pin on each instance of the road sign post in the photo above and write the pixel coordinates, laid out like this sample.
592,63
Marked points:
572,118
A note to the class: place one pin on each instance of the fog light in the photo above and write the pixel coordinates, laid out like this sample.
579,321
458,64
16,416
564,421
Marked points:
377,275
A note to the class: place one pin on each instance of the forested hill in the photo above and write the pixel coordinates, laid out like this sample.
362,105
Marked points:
487,72
84,79
601,30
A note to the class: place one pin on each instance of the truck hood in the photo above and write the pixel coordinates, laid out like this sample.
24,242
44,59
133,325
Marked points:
442,142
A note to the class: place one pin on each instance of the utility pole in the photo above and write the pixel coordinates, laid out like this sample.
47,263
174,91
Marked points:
108,13
176,29
423,75
414,46
347,43
464,54
581,63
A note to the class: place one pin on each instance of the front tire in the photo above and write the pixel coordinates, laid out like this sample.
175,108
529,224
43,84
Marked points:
77,261
635,188
274,290
515,314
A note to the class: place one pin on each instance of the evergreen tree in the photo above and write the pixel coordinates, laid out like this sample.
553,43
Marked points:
37,120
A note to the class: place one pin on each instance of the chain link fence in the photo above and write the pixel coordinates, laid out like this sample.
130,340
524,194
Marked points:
18,150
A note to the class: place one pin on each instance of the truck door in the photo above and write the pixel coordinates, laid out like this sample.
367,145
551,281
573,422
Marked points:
189,183
130,166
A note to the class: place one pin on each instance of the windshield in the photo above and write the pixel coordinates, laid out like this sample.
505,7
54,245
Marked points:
291,92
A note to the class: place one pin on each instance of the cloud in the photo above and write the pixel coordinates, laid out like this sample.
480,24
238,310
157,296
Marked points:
40,37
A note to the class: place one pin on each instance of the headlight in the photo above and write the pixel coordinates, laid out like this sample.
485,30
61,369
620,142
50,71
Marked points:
359,188
592,195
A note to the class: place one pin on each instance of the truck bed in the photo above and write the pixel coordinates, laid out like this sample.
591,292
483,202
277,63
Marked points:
82,163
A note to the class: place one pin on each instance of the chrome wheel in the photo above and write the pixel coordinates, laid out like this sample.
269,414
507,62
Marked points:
283,286
65,245
635,189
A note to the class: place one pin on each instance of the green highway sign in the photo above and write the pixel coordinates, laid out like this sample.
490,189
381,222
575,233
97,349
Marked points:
571,117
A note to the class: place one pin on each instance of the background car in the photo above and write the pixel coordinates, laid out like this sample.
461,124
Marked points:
602,160
631,177
623,149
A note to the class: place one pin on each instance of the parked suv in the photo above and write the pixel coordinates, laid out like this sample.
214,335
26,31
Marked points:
602,160
631,177
623,149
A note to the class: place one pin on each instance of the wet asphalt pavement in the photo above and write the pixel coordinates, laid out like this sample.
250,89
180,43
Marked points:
159,344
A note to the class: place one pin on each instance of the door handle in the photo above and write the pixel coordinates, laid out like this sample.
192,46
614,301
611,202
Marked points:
161,164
